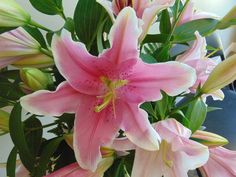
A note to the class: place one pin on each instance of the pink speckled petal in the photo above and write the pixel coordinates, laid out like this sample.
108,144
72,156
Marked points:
55,103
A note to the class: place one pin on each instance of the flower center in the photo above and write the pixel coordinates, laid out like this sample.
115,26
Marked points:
120,4
166,154
110,95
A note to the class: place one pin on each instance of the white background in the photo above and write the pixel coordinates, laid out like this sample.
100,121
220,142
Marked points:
219,7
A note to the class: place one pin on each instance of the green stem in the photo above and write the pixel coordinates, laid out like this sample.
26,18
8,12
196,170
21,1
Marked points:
46,52
62,14
174,26
186,103
35,24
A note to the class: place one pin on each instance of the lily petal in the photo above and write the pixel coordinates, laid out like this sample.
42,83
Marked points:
197,51
74,170
77,65
147,81
191,14
124,37
91,131
137,126
52,103
150,12
177,154
222,162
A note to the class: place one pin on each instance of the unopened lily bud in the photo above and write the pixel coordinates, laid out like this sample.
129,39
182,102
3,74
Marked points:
4,122
34,78
228,19
12,14
222,75
107,152
19,48
209,139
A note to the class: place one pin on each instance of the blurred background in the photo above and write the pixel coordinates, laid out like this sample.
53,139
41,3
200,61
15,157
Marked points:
219,7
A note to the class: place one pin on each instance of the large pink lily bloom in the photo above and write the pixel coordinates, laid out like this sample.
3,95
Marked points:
20,49
74,170
222,163
191,14
196,58
146,10
105,92
176,156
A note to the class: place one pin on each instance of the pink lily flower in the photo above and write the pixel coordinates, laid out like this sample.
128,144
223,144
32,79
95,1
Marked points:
21,171
176,156
196,58
191,14
222,163
17,47
74,170
146,10
105,91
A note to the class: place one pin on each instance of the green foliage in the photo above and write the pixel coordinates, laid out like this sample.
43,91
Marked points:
36,34
165,23
196,114
49,7
87,17
18,137
186,32
48,149
11,163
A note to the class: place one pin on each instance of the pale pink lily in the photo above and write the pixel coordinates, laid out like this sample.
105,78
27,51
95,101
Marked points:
74,170
177,155
21,171
105,92
222,163
191,14
20,49
196,58
146,10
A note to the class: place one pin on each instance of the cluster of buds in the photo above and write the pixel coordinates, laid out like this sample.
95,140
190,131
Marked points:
34,79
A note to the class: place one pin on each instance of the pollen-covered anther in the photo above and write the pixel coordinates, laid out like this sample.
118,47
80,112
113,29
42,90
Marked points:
110,95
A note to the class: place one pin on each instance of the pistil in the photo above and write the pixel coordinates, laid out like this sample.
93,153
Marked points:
164,147
110,96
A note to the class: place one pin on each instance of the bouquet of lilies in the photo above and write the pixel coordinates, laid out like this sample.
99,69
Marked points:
122,103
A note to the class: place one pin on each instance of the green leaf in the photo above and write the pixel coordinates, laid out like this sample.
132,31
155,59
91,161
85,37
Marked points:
163,54
11,163
6,29
10,74
156,38
10,91
185,32
49,7
18,137
34,137
211,109
37,35
87,17
148,58
165,24
196,113
48,149
161,106
147,106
